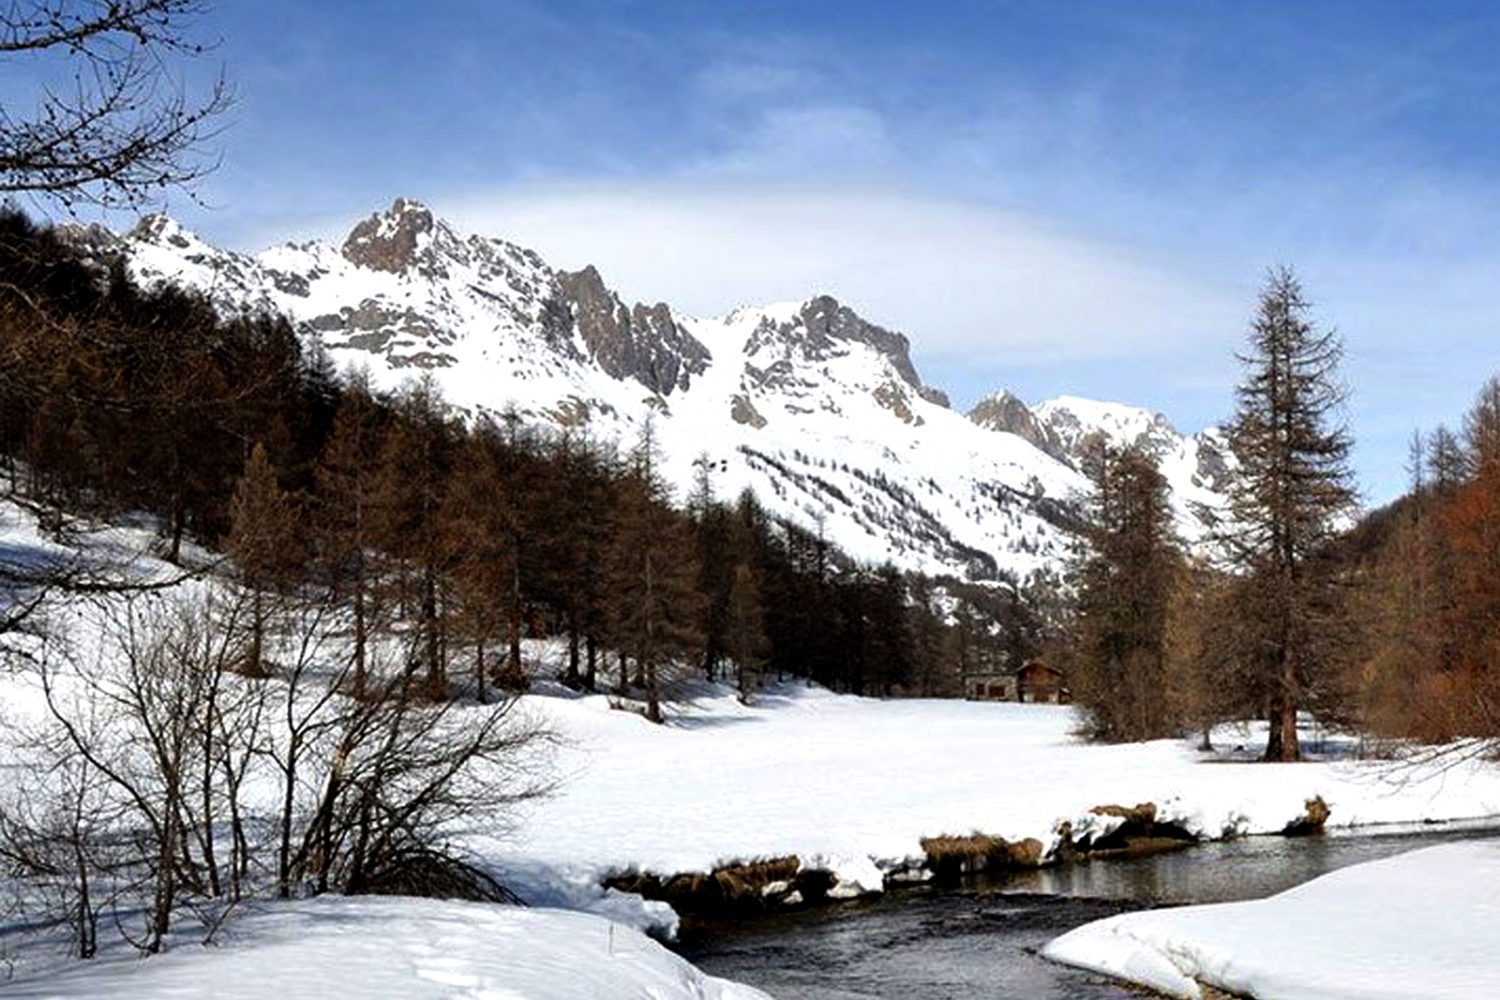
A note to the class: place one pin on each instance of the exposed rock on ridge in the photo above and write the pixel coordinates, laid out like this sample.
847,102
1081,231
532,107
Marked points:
644,343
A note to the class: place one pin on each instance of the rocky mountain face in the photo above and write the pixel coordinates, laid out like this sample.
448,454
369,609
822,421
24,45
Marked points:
818,411
1074,430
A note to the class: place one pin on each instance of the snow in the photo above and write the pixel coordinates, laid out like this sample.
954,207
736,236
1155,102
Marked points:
846,784
1423,924
370,948
854,784
1196,501
849,447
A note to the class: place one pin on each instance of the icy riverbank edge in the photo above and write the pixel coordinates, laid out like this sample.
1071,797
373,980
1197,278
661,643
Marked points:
1423,924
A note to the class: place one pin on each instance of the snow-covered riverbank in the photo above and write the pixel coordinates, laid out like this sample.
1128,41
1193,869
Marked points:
853,784
1423,924
369,948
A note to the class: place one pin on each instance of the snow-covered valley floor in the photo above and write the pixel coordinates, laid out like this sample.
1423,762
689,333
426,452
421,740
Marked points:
843,783
373,948
1422,924
854,784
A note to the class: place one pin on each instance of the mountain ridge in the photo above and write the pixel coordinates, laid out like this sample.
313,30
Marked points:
817,410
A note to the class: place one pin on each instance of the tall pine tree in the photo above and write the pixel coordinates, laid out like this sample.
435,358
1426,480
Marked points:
1125,589
1291,489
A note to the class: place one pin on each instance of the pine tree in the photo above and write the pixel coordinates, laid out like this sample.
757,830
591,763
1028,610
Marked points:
653,585
346,480
1126,585
1292,486
264,543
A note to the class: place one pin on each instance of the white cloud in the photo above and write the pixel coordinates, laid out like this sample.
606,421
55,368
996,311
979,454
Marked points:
958,277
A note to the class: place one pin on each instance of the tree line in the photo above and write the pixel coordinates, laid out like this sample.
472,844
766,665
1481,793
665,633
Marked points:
472,534
1389,623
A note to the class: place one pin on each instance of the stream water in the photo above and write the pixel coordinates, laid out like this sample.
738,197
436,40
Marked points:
980,941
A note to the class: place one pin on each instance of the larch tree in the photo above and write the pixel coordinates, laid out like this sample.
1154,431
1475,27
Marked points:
655,601
416,458
487,530
574,572
1470,526
346,480
1126,584
265,543
1482,429
713,527
1290,491
744,630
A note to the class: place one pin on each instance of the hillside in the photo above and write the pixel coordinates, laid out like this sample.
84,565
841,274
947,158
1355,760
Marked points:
817,410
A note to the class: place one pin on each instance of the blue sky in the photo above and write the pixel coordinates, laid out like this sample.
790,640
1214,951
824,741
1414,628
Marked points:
1051,197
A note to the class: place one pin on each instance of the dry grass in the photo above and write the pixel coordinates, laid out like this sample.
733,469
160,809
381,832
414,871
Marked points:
949,855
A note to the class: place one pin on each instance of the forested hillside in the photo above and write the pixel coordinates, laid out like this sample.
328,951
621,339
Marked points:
474,533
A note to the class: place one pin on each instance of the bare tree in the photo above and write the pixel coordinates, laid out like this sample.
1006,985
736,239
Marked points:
111,126
131,715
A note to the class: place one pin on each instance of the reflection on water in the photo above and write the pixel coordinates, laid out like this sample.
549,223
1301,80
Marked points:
912,944
1238,869
980,942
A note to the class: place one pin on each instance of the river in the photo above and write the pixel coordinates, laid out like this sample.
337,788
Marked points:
979,941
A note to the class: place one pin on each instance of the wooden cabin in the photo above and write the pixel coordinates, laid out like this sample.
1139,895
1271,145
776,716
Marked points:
993,685
1037,682
1034,682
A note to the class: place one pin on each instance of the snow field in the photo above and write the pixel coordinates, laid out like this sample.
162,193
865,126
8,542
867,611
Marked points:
1423,924
853,784
371,948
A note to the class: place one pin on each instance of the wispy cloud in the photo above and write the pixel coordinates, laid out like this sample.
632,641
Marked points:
961,277
1075,197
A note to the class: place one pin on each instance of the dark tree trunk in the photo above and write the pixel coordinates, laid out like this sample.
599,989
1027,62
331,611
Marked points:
514,678
437,680
570,677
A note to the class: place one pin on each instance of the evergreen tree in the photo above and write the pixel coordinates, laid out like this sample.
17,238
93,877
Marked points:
1291,488
346,483
1126,584
654,596
264,542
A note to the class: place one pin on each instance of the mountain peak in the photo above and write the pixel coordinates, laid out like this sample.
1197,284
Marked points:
163,230
1073,418
389,240
1005,411
792,402
826,318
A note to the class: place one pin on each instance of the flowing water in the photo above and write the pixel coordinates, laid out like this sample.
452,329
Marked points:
981,941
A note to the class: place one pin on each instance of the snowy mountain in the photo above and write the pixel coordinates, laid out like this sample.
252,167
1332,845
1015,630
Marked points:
818,411
1071,430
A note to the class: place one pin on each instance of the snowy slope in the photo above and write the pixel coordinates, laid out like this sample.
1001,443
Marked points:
818,411
372,948
1421,924
1071,429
